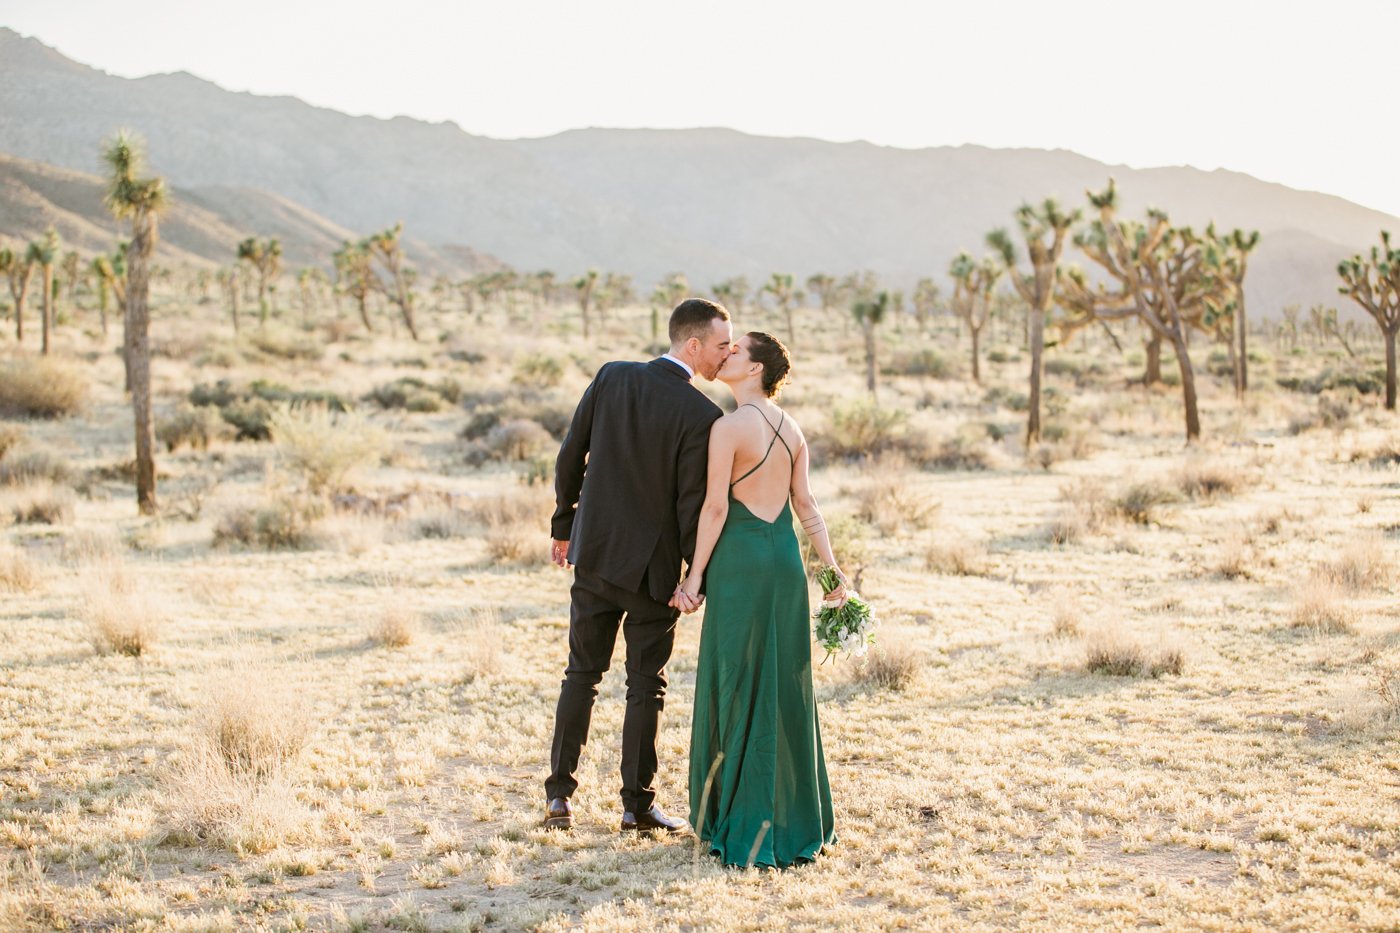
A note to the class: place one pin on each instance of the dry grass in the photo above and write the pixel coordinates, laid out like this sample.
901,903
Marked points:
35,387
1087,510
42,504
286,522
17,572
253,724
516,526
958,558
1140,502
1237,558
1364,563
889,501
1319,605
1119,655
32,465
1203,478
888,667
325,447
396,627
121,617
1067,613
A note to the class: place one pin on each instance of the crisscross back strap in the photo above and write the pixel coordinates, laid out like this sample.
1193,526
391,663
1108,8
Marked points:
777,436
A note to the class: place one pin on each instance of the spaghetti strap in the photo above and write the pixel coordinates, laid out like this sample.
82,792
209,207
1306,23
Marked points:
777,436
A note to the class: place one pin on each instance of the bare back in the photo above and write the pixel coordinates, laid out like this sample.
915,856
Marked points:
765,455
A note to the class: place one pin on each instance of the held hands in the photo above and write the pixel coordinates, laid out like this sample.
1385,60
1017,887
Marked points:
687,597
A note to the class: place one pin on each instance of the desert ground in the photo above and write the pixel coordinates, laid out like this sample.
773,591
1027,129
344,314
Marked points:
1119,682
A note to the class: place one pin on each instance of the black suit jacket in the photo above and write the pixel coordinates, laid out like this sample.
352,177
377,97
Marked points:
630,478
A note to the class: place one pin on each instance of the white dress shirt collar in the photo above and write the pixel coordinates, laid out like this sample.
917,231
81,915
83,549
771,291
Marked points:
688,371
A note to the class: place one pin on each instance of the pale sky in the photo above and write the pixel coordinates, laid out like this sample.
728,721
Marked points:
1294,92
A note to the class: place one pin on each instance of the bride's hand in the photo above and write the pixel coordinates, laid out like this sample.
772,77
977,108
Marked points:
842,591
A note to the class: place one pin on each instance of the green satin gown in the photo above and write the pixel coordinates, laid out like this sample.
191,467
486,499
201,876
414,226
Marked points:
769,801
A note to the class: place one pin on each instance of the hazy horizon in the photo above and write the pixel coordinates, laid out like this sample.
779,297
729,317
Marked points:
1234,92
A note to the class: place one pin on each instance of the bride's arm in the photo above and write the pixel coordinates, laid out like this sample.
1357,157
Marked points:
716,507
805,505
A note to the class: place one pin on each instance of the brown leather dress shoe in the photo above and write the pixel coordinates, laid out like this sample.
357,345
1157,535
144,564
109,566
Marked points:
653,821
559,814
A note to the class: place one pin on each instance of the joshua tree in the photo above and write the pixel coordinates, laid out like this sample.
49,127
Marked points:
111,280
869,314
826,289
585,286
387,247
670,292
140,200
1327,324
355,277
1238,245
926,298
72,267
1162,278
785,295
614,292
265,257
18,270
44,254
1374,283
309,282
732,293
973,285
1044,229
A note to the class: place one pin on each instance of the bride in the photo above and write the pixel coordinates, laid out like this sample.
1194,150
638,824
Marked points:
759,793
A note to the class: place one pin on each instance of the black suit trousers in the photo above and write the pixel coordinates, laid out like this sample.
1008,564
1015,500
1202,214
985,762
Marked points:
596,611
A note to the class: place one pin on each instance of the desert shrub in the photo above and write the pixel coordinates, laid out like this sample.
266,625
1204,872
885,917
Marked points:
1007,398
1208,479
396,627
925,363
1319,606
538,369
325,447
514,525
891,504
888,667
285,523
1068,526
1002,355
516,440
11,436
549,410
33,465
1236,558
1387,685
286,345
957,558
185,499
1369,382
121,618
194,426
1120,656
1139,502
441,524
964,450
249,409
1066,614
417,395
42,504
17,573
1333,411
41,388
862,428
232,784
1363,563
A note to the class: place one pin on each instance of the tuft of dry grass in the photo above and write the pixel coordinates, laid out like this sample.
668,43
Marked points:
42,504
1237,558
1118,655
325,447
286,522
193,426
11,436
888,667
1139,502
396,627
888,500
1387,686
959,558
1201,478
41,388
254,727
515,525
1087,510
121,618
1319,606
17,572
1363,564
1066,613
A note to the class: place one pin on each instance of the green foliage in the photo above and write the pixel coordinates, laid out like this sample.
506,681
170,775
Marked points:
249,409
926,363
418,395
195,426
862,428
1139,502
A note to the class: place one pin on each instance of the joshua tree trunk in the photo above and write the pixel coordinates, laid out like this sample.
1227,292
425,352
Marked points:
233,304
104,294
1153,374
1390,369
1236,368
363,302
47,270
138,343
976,355
1242,323
1188,385
1036,318
869,328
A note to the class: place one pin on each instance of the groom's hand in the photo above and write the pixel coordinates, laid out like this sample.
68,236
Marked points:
559,552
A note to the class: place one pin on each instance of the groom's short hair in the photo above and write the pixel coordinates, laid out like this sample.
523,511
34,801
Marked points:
692,318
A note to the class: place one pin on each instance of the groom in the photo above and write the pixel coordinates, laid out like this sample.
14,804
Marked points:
629,483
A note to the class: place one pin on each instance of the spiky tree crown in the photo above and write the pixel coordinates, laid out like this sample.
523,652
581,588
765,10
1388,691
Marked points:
127,193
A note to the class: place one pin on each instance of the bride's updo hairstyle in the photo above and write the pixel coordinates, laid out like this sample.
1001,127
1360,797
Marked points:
777,364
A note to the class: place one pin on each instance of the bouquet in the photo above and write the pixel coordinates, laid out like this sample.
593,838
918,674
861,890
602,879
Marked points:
848,626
